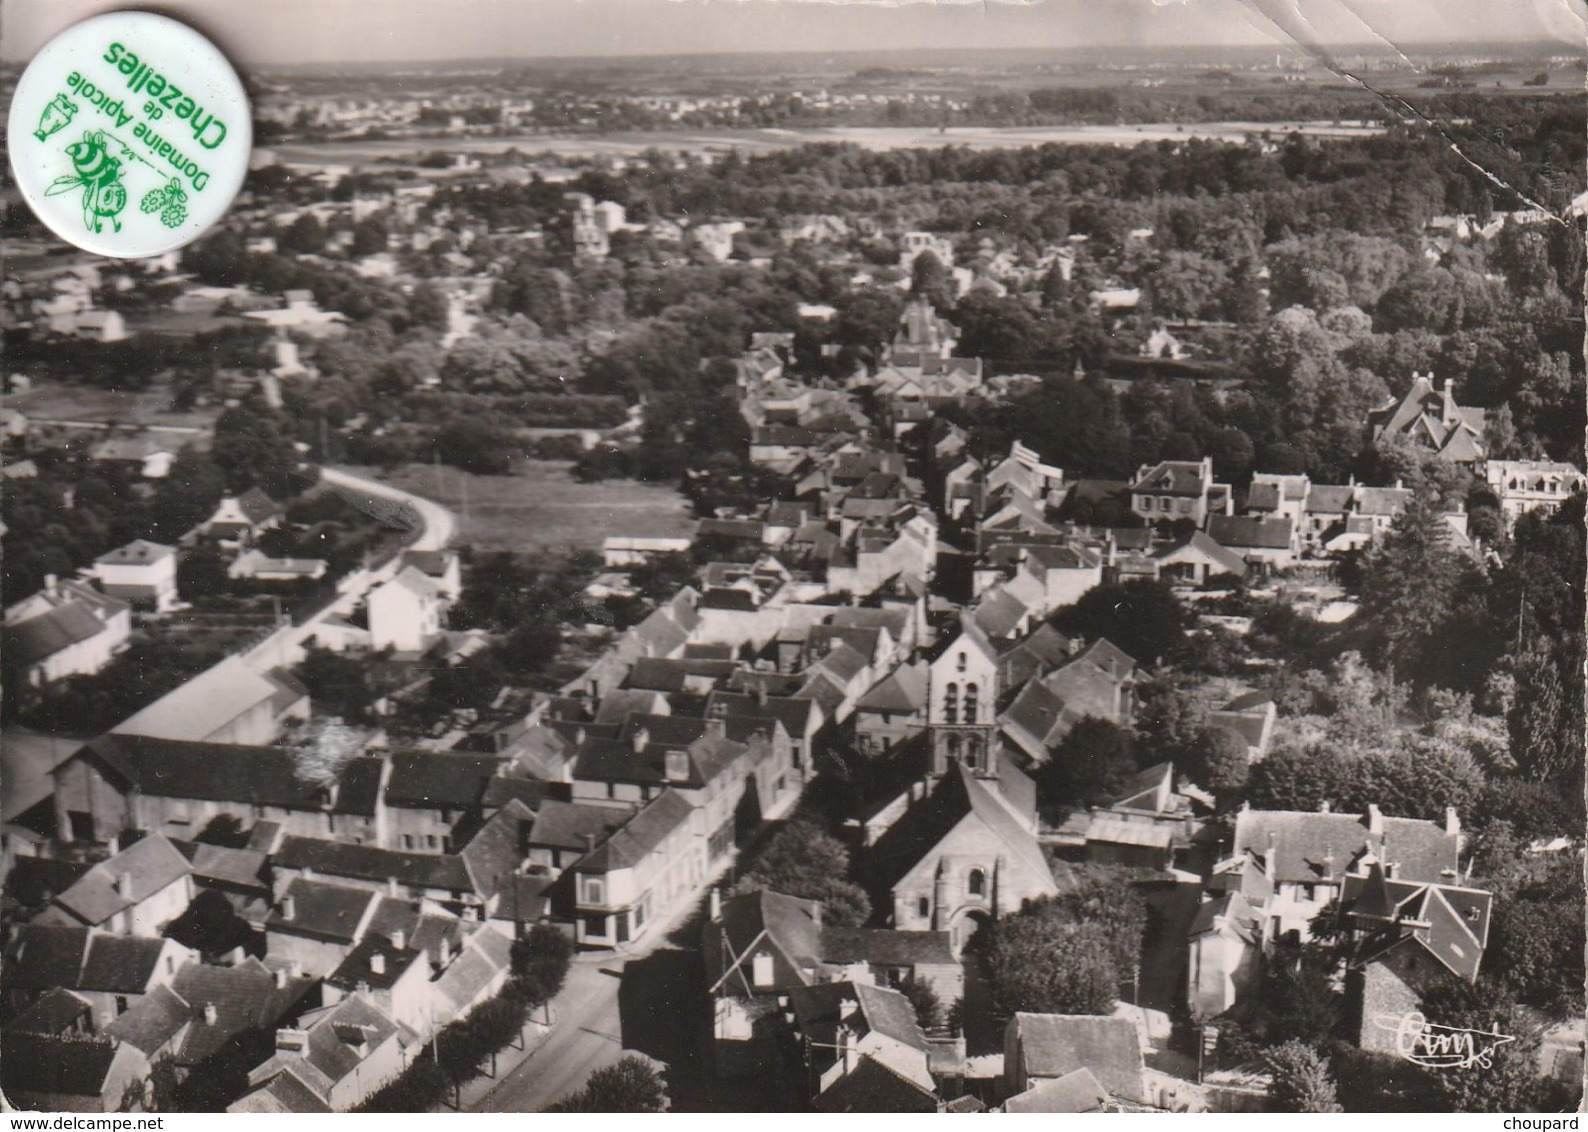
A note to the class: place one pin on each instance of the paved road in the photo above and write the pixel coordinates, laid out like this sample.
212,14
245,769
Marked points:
440,524
587,1036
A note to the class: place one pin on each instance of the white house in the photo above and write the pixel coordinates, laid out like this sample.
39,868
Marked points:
405,613
141,572
66,629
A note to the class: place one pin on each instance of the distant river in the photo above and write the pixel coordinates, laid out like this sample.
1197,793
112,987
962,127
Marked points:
572,146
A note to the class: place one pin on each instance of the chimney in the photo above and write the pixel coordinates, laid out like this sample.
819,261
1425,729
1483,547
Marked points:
211,1015
289,908
391,887
1324,806
1268,854
1392,869
471,914
641,737
1375,821
716,904
677,766
124,885
295,969
52,585
113,846
281,978
399,940
760,695
445,951
717,727
377,963
291,1040
1452,822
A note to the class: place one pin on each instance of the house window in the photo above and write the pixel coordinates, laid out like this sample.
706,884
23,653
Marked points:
595,927
594,892
1185,507
761,969
408,841
970,703
976,884
961,663
951,704
121,1004
923,907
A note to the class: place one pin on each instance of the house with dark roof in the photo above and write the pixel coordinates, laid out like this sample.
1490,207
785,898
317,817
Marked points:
892,711
801,717
1270,542
136,892
639,874
760,945
121,782
1226,940
1179,490
315,923
66,629
1430,419
1294,863
443,567
333,1060
405,948
962,853
1076,1091
61,1073
1197,557
841,1027
1407,938
238,520
1100,681
110,972
433,799
1049,1047
228,1002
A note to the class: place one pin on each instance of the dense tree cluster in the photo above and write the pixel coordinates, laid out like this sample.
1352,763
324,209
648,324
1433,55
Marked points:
804,860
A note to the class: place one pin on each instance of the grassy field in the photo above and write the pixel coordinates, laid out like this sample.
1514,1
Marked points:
542,507
60,401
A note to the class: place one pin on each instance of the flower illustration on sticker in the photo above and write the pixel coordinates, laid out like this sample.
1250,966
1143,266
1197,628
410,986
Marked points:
170,201
56,117
99,176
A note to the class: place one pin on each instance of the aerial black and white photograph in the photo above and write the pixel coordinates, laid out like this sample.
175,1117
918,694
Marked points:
783,556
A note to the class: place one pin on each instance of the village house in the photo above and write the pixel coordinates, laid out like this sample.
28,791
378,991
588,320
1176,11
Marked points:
108,972
639,874
444,569
405,614
336,1058
175,787
1265,543
238,520
1525,486
316,923
66,629
142,573
862,1049
1431,420
1048,1047
1179,490
143,453
135,892
429,795
68,1073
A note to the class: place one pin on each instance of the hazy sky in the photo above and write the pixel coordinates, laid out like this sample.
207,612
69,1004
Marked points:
320,31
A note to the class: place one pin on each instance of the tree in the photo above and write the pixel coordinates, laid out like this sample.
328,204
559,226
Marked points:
253,448
930,280
928,1007
1410,581
1069,954
1300,1080
304,236
629,1086
1089,767
1220,761
1144,618
540,963
806,861
370,236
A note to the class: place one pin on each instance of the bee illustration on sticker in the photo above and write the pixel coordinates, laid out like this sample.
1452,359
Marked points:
170,201
99,176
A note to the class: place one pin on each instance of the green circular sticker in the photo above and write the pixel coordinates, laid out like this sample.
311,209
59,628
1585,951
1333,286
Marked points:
129,134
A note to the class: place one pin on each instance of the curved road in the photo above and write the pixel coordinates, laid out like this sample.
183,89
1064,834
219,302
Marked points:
440,524
282,647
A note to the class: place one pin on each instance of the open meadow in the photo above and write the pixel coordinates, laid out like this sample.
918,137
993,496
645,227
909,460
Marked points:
542,507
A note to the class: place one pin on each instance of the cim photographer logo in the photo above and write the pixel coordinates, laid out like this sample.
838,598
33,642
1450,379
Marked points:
1441,1047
